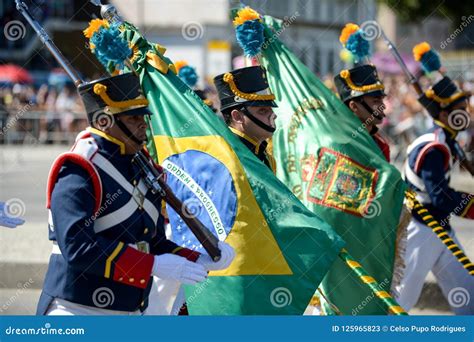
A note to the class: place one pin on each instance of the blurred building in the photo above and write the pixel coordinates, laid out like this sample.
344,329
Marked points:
200,31
63,20
455,42
314,35
197,31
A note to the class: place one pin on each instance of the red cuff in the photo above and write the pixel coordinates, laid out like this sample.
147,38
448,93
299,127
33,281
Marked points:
187,253
134,268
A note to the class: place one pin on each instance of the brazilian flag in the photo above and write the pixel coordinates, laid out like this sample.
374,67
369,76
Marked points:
332,164
283,250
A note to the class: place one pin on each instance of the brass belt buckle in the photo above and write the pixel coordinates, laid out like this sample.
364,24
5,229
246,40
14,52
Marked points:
143,246
138,196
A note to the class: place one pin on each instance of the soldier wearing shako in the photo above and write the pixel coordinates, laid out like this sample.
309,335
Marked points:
427,171
105,224
246,105
362,91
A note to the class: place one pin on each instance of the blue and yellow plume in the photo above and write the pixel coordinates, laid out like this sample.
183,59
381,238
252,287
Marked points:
428,57
187,73
249,31
353,39
107,44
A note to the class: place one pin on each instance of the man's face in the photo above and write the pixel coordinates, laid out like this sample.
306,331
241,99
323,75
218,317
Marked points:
373,118
136,124
265,115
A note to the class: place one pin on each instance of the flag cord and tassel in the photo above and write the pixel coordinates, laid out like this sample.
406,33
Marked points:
415,206
332,305
383,295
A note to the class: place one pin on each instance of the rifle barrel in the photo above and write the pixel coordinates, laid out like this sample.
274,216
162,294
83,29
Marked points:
73,74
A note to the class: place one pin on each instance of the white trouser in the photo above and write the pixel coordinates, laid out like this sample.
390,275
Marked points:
61,307
425,252
166,298
166,295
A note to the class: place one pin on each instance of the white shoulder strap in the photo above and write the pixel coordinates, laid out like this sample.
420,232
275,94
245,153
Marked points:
421,140
114,218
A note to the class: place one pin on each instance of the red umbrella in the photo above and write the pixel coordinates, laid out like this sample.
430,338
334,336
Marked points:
10,73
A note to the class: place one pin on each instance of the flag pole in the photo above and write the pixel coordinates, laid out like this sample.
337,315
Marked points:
383,295
47,41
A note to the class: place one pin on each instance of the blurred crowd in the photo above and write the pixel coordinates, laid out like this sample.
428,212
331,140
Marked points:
44,114
54,114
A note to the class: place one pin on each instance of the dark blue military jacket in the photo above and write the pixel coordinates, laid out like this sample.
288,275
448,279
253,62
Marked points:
103,250
428,170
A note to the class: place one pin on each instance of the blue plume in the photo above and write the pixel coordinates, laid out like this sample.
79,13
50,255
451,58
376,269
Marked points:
430,61
188,75
358,45
250,37
110,46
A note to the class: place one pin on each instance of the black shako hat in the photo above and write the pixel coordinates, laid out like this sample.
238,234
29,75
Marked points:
203,97
244,87
358,81
119,94
442,96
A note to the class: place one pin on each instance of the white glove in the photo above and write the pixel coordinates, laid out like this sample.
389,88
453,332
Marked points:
170,266
227,256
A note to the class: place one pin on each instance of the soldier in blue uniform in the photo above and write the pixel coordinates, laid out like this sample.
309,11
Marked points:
106,227
427,171
246,105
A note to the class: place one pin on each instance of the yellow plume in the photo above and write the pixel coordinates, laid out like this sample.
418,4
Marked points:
179,64
346,32
245,14
94,26
420,49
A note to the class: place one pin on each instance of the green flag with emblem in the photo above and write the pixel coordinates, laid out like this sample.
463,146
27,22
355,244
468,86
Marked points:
331,163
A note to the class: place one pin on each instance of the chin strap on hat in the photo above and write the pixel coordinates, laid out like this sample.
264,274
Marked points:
256,121
370,110
127,132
